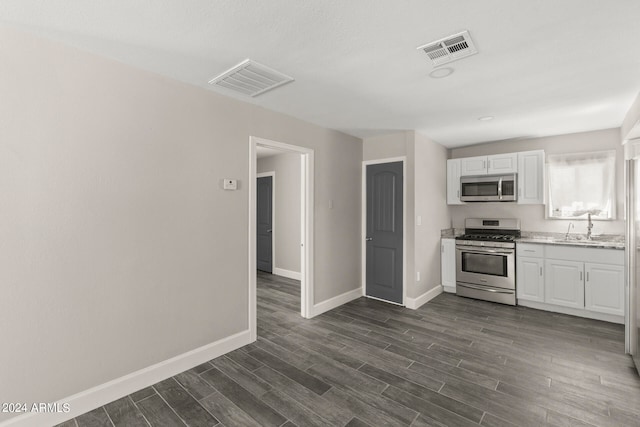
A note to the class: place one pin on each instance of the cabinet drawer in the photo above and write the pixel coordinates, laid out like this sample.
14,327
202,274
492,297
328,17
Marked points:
572,253
530,250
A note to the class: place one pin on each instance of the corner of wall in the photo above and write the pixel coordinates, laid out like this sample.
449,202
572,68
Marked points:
430,207
631,119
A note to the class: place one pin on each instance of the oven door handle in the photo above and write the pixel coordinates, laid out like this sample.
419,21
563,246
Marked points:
480,288
485,251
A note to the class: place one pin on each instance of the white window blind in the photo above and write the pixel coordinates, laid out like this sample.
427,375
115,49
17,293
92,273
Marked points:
581,183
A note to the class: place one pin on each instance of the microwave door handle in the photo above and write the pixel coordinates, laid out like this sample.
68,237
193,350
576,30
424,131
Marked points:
500,188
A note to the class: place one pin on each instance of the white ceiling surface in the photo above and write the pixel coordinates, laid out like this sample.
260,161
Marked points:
544,66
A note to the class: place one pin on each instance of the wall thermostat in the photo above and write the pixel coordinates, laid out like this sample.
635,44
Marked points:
230,184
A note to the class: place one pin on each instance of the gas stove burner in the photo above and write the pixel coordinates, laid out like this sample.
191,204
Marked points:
499,233
488,237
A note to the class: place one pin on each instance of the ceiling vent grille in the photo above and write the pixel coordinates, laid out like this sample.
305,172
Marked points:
450,48
250,78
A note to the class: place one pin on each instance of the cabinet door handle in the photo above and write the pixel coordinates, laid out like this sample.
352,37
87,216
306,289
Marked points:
488,164
458,194
587,276
581,275
541,271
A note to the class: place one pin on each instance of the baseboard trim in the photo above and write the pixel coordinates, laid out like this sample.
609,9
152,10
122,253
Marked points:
334,302
449,289
386,301
415,303
296,275
612,318
102,394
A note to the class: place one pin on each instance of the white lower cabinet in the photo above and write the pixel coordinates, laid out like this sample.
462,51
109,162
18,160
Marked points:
448,264
586,282
604,288
530,279
563,283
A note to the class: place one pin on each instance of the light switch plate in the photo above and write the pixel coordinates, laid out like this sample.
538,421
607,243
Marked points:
230,184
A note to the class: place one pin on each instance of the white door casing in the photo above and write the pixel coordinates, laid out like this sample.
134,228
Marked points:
306,224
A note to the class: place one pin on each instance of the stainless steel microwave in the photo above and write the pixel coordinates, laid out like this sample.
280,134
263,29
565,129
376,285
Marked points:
488,188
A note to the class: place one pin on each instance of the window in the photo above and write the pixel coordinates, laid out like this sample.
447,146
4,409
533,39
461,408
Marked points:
581,183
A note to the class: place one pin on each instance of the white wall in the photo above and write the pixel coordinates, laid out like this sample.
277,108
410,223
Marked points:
287,208
431,205
532,216
118,248
386,146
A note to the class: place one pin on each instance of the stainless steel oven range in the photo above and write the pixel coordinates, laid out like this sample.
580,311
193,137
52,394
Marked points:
486,258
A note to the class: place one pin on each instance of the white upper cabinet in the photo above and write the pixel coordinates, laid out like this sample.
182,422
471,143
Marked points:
531,177
529,165
489,165
502,163
453,182
473,166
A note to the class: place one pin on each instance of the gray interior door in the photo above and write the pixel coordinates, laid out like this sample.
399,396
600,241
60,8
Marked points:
264,218
384,231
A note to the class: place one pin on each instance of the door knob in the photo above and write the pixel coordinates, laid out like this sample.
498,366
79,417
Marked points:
369,239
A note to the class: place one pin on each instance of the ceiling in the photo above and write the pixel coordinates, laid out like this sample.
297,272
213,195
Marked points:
544,67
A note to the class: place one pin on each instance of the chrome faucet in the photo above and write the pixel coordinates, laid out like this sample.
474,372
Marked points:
566,236
589,226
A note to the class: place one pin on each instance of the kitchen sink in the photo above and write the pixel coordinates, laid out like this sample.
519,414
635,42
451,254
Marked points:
581,238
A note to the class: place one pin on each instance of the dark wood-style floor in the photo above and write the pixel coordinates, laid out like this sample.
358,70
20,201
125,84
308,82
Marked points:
453,362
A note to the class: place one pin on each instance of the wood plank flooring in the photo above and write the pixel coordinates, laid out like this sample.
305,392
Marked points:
453,362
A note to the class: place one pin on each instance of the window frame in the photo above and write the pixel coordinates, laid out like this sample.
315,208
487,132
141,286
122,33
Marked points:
582,156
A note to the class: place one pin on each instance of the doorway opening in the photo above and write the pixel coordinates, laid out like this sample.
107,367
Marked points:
273,244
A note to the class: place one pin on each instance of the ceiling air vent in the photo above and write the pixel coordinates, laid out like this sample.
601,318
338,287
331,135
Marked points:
450,48
250,78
